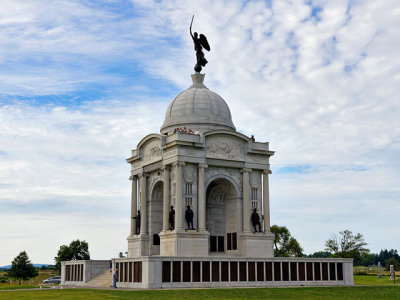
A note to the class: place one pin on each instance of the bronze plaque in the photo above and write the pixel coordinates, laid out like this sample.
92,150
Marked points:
196,271
251,265
277,271
224,271
215,271
293,271
325,271
206,271
332,275
186,271
176,271
260,271
234,271
268,271
166,271
302,271
242,271
317,271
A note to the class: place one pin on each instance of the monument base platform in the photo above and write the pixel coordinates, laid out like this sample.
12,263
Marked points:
217,271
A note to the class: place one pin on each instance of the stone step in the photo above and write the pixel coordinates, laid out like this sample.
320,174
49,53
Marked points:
103,280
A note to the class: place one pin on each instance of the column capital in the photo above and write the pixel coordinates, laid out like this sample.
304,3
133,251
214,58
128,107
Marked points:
267,172
178,163
133,177
143,174
165,167
202,166
246,170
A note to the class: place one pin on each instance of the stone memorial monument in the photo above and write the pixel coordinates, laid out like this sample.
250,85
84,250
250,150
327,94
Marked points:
379,270
392,274
202,189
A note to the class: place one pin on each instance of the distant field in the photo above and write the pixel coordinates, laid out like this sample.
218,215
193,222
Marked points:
33,283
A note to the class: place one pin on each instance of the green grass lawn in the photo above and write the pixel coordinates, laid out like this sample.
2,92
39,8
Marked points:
374,280
367,287
356,292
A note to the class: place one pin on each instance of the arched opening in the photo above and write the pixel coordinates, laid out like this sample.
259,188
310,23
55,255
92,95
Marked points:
223,215
155,217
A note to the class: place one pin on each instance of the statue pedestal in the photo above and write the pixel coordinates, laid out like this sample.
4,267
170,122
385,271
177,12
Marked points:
184,243
138,245
257,244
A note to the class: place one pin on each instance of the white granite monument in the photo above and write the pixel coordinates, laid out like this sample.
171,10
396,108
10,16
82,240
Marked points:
219,172
200,207
199,160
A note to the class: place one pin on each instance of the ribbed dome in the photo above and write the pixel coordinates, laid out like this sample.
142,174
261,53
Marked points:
198,108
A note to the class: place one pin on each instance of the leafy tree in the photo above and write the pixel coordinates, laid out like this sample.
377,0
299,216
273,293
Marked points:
77,250
323,254
368,259
385,255
347,245
21,268
285,244
392,261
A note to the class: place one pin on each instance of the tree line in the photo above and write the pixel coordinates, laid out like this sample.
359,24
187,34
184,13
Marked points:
345,245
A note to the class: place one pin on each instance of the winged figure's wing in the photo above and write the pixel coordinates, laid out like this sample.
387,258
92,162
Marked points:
204,42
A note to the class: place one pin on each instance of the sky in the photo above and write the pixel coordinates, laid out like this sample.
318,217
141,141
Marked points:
82,82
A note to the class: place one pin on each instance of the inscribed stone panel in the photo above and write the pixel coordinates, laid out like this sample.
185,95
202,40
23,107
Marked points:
152,151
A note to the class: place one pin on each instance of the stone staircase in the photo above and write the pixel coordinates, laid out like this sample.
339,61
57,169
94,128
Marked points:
103,280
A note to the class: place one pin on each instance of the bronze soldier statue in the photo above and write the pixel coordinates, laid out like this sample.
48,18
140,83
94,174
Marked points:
255,220
189,217
137,229
171,218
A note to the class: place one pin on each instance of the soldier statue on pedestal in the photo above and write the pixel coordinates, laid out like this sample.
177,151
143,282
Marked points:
171,218
255,220
189,217
137,229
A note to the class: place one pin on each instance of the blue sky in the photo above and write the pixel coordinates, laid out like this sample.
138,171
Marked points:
81,82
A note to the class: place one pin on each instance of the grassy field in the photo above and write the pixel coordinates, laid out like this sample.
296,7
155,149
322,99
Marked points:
367,287
356,292
33,283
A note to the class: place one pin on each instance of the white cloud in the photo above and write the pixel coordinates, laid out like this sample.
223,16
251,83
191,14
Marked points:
323,91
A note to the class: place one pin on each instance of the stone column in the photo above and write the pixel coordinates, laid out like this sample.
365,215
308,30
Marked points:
246,200
201,197
266,213
133,204
179,196
143,203
166,202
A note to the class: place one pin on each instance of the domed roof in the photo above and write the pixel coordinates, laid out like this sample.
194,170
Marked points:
198,108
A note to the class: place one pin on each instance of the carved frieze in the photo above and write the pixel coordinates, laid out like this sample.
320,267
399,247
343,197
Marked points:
224,147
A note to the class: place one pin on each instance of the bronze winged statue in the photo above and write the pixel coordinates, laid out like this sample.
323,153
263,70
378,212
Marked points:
200,42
